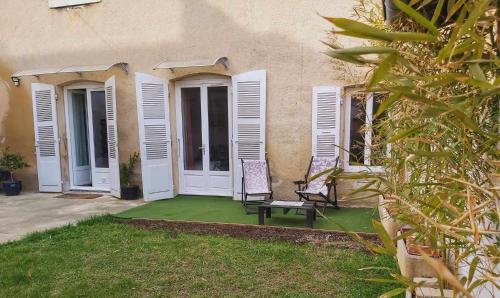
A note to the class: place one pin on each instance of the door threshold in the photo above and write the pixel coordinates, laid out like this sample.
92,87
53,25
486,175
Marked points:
88,189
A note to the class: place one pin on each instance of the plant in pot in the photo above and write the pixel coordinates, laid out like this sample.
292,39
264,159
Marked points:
129,191
11,162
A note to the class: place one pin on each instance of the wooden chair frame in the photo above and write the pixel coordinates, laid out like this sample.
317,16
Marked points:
245,195
319,197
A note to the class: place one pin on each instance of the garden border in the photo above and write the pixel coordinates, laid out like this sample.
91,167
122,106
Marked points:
257,232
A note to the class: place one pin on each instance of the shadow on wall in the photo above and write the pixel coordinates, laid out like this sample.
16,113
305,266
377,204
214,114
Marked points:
15,103
279,42
4,105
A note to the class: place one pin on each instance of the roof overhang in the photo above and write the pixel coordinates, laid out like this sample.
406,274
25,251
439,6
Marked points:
172,65
16,77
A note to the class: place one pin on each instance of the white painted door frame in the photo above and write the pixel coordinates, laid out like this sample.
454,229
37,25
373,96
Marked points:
69,132
206,174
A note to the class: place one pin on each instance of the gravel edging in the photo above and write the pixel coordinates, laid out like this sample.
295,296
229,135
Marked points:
256,232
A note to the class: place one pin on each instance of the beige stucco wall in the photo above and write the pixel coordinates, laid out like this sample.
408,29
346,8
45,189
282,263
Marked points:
282,37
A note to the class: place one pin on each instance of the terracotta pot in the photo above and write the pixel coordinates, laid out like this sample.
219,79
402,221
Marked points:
413,248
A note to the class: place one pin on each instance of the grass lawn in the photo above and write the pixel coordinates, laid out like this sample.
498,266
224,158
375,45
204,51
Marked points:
99,258
226,210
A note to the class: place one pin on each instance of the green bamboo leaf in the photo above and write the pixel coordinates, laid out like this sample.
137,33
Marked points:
359,28
383,280
405,133
365,50
408,65
432,154
446,50
412,36
363,188
478,9
347,58
384,237
477,72
491,92
371,246
386,103
480,84
453,8
476,284
472,269
381,71
465,120
437,11
416,16
393,292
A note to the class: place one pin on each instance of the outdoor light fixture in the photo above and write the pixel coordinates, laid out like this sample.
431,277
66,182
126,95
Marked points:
16,80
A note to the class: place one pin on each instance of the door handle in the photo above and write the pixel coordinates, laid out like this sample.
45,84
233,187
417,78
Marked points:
202,148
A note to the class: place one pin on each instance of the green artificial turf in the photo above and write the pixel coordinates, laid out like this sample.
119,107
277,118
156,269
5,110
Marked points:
226,210
99,258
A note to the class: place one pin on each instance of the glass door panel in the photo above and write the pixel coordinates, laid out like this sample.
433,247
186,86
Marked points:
80,128
218,128
80,139
99,129
192,129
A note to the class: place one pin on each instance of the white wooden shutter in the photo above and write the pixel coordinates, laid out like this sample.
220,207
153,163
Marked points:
114,159
249,121
46,138
154,137
325,121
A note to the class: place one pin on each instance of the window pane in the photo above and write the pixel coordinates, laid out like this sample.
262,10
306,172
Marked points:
80,129
357,131
191,124
218,128
100,131
378,150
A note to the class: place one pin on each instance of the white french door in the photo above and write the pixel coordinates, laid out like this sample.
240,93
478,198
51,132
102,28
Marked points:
87,138
204,130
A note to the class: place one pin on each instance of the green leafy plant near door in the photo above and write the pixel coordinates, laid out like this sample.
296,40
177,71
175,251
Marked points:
128,190
11,162
438,63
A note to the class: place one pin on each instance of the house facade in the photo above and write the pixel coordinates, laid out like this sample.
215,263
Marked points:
193,86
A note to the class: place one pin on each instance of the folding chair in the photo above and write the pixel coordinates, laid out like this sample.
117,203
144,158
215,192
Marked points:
256,182
317,190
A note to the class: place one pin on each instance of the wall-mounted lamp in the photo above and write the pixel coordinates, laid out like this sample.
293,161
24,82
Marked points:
16,80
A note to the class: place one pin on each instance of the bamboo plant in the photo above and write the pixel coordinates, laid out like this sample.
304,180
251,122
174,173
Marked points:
438,63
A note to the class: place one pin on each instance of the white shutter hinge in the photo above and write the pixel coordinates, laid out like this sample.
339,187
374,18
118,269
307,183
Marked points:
56,96
341,101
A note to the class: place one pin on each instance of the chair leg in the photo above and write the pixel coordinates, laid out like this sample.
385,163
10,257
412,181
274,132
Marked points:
335,205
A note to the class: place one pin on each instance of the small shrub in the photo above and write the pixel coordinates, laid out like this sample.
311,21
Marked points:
12,162
127,169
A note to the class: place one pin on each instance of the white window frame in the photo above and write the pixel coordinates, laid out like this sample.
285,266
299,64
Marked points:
368,136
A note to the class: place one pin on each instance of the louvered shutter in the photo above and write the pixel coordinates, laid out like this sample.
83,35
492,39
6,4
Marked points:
325,121
46,138
114,160
154,136
249,121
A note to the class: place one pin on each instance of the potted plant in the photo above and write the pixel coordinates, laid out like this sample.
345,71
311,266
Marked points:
12,162
128,190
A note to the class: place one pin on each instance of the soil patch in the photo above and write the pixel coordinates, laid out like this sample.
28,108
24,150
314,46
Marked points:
295,235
